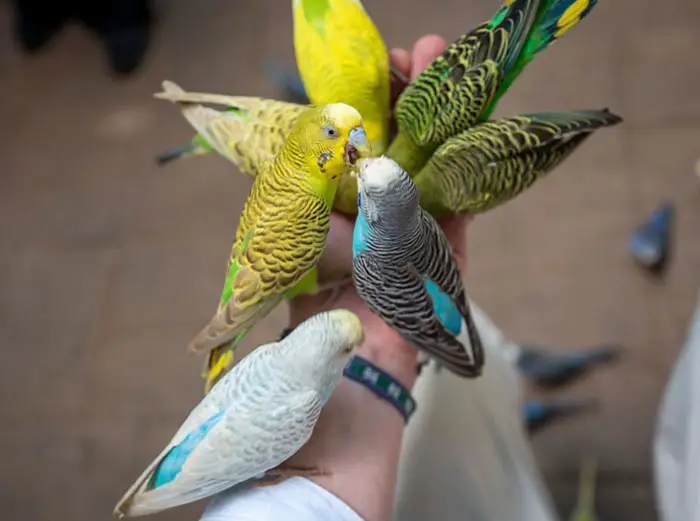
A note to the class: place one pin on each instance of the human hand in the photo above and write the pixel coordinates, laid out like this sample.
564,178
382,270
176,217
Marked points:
384,347
357,439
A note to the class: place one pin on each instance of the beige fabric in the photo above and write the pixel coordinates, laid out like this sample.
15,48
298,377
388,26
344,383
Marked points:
466,456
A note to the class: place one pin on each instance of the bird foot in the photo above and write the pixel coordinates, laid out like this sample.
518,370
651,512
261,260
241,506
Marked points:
423,360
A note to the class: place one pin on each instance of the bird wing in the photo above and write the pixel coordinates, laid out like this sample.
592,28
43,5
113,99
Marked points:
244,444
246,130
400,297
451,299
279,250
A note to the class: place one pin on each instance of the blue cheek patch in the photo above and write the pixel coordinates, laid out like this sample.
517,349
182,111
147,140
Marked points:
360,235
359,200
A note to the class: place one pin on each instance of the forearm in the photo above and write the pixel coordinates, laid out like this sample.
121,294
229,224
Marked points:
357,440
363,474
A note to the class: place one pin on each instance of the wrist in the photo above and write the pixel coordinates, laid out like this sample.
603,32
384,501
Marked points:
389,351
383,346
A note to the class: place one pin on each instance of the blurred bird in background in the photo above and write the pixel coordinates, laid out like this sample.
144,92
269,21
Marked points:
650,244
585,508
539,414
548,368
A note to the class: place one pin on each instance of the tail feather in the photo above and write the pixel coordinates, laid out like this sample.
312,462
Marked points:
576,120
476,347
561,16
188,150
554,19
174,93
128,505
219,362
518,19
230,324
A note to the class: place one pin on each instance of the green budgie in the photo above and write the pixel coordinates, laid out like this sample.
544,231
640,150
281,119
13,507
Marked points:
585,508
258,416
404,269
491,163
283,227
462,86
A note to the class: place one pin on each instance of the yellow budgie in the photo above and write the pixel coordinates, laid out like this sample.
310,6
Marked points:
342,59
283,227
247,131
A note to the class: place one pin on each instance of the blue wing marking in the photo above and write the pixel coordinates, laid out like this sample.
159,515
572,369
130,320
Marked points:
444,308
173,461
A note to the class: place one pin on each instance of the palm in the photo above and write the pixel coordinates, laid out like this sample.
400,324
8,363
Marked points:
335,267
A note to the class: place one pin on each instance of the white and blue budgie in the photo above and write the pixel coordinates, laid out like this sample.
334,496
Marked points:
404,269
255,418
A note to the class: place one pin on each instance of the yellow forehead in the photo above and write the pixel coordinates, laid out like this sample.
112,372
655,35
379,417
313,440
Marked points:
341,116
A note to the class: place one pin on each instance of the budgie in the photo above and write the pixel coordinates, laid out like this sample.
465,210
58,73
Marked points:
492,162
245,130
650,244
283,227
550,368
404,269
537,414
342,59
253,420
585,509
462,86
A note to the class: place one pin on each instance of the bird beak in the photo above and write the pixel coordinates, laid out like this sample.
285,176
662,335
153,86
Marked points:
356,172
357,146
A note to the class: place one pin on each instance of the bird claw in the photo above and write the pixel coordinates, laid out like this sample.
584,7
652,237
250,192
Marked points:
282,473
423,360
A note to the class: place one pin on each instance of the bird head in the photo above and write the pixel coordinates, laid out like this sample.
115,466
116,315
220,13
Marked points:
321,346
385,192
332,139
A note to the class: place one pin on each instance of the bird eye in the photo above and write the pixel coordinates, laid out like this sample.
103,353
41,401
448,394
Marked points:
330,131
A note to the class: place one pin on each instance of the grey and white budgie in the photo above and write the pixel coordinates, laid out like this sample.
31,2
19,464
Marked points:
405,270
255,418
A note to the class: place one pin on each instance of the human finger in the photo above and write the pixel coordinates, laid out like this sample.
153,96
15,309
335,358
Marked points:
455,229
400,60
425,50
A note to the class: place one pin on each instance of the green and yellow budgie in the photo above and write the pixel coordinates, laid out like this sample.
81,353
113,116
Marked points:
245,130
283,227
492,162
461,87
342,58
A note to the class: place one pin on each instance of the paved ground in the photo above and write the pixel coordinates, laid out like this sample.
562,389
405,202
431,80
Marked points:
109,265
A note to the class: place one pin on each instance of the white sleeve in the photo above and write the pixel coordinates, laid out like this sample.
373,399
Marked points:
295,499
